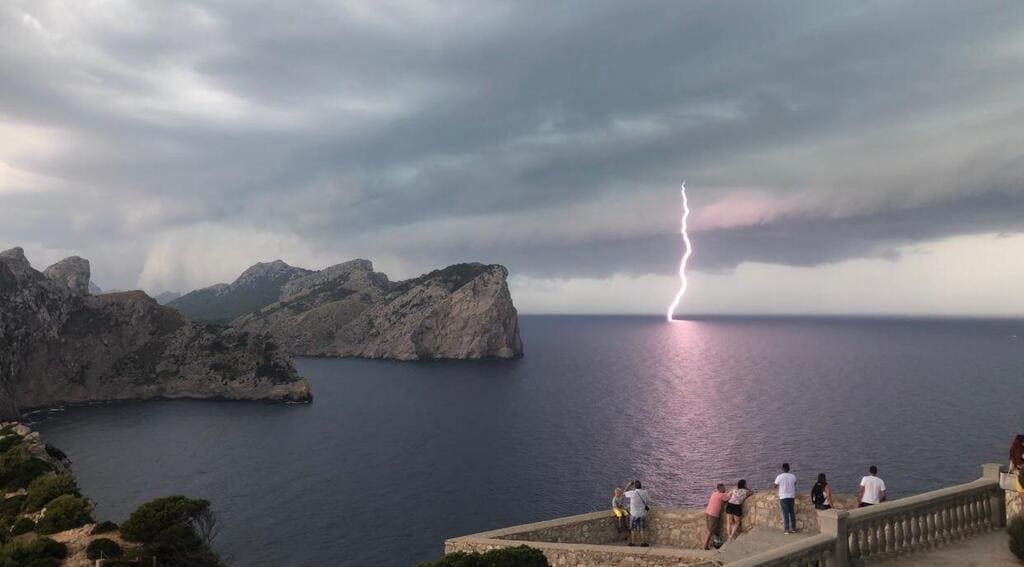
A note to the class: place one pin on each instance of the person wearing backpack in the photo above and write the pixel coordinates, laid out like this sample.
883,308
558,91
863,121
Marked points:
821,494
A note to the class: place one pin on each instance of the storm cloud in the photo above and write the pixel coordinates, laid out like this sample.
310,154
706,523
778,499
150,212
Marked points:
176,143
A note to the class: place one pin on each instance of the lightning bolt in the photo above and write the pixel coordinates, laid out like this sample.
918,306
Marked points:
686,256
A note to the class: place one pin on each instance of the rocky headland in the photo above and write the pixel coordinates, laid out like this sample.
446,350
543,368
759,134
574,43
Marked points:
60,345
464,311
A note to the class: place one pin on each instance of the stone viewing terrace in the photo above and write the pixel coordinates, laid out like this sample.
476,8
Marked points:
927,527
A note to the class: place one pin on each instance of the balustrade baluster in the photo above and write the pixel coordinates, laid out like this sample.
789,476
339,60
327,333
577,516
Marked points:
888,535
905,531
897,532
915,528
949,519
932,525
853,542
986,512
869,536
956,519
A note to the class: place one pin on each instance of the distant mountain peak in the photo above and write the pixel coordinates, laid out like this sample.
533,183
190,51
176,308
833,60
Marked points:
268,270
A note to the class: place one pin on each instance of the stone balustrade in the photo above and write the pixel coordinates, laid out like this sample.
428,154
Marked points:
897,527
847,535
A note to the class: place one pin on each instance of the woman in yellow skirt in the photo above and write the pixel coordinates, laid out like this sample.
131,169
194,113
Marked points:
621,512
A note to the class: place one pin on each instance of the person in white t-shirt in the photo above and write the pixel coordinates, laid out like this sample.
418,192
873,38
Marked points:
872,489
786,483
639,504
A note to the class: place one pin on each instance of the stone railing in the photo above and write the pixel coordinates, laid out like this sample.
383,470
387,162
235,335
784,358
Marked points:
592,539
819,550
896,527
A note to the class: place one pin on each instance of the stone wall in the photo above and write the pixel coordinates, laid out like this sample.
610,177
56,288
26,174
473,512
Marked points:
762,509
1014,503
592,555
679,527
596,527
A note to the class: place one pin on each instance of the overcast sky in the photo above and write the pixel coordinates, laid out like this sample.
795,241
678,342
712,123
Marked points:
840,157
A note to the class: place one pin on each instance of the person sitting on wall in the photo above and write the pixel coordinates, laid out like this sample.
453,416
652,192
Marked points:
639,505
821,493
620,512
872,489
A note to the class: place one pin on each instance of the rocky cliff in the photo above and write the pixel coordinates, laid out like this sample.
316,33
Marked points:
258,286
462,311
60,345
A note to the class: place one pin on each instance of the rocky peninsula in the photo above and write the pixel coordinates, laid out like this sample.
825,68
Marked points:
464,311
60,345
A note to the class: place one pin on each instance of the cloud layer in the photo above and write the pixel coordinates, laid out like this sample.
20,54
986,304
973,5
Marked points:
174,143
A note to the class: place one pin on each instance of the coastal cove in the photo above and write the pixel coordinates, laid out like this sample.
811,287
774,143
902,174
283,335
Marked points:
393,458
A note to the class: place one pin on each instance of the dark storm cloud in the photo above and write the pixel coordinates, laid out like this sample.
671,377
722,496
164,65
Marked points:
360,126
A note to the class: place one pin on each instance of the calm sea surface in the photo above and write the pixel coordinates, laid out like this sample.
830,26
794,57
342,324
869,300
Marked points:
392,458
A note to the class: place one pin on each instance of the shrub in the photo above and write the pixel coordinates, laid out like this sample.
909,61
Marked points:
103,528
47,487
103,548
176,529
522,556
64,513
152,518
8,441
40,552
22,526
11,507
1016,532
18,468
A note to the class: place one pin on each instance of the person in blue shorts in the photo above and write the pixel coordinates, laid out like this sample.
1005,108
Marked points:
639,505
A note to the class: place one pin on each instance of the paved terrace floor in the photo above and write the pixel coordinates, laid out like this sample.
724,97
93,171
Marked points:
758,540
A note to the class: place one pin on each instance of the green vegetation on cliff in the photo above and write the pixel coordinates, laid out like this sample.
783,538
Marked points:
39,495
176,529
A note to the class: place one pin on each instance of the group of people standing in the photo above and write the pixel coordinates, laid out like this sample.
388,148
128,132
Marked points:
872,491
634,517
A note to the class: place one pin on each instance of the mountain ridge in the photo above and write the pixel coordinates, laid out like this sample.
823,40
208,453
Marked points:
349,309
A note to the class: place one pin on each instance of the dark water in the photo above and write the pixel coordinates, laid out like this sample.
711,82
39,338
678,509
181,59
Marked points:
392,458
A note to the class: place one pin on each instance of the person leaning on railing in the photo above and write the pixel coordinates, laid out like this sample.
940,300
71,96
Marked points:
1017,455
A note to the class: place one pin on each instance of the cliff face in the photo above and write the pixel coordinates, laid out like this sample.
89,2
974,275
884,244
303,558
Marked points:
463,311
59,345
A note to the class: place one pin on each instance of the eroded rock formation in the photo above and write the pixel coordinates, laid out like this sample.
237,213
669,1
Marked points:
60,345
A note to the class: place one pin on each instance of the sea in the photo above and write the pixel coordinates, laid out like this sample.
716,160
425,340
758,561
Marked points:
392,458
